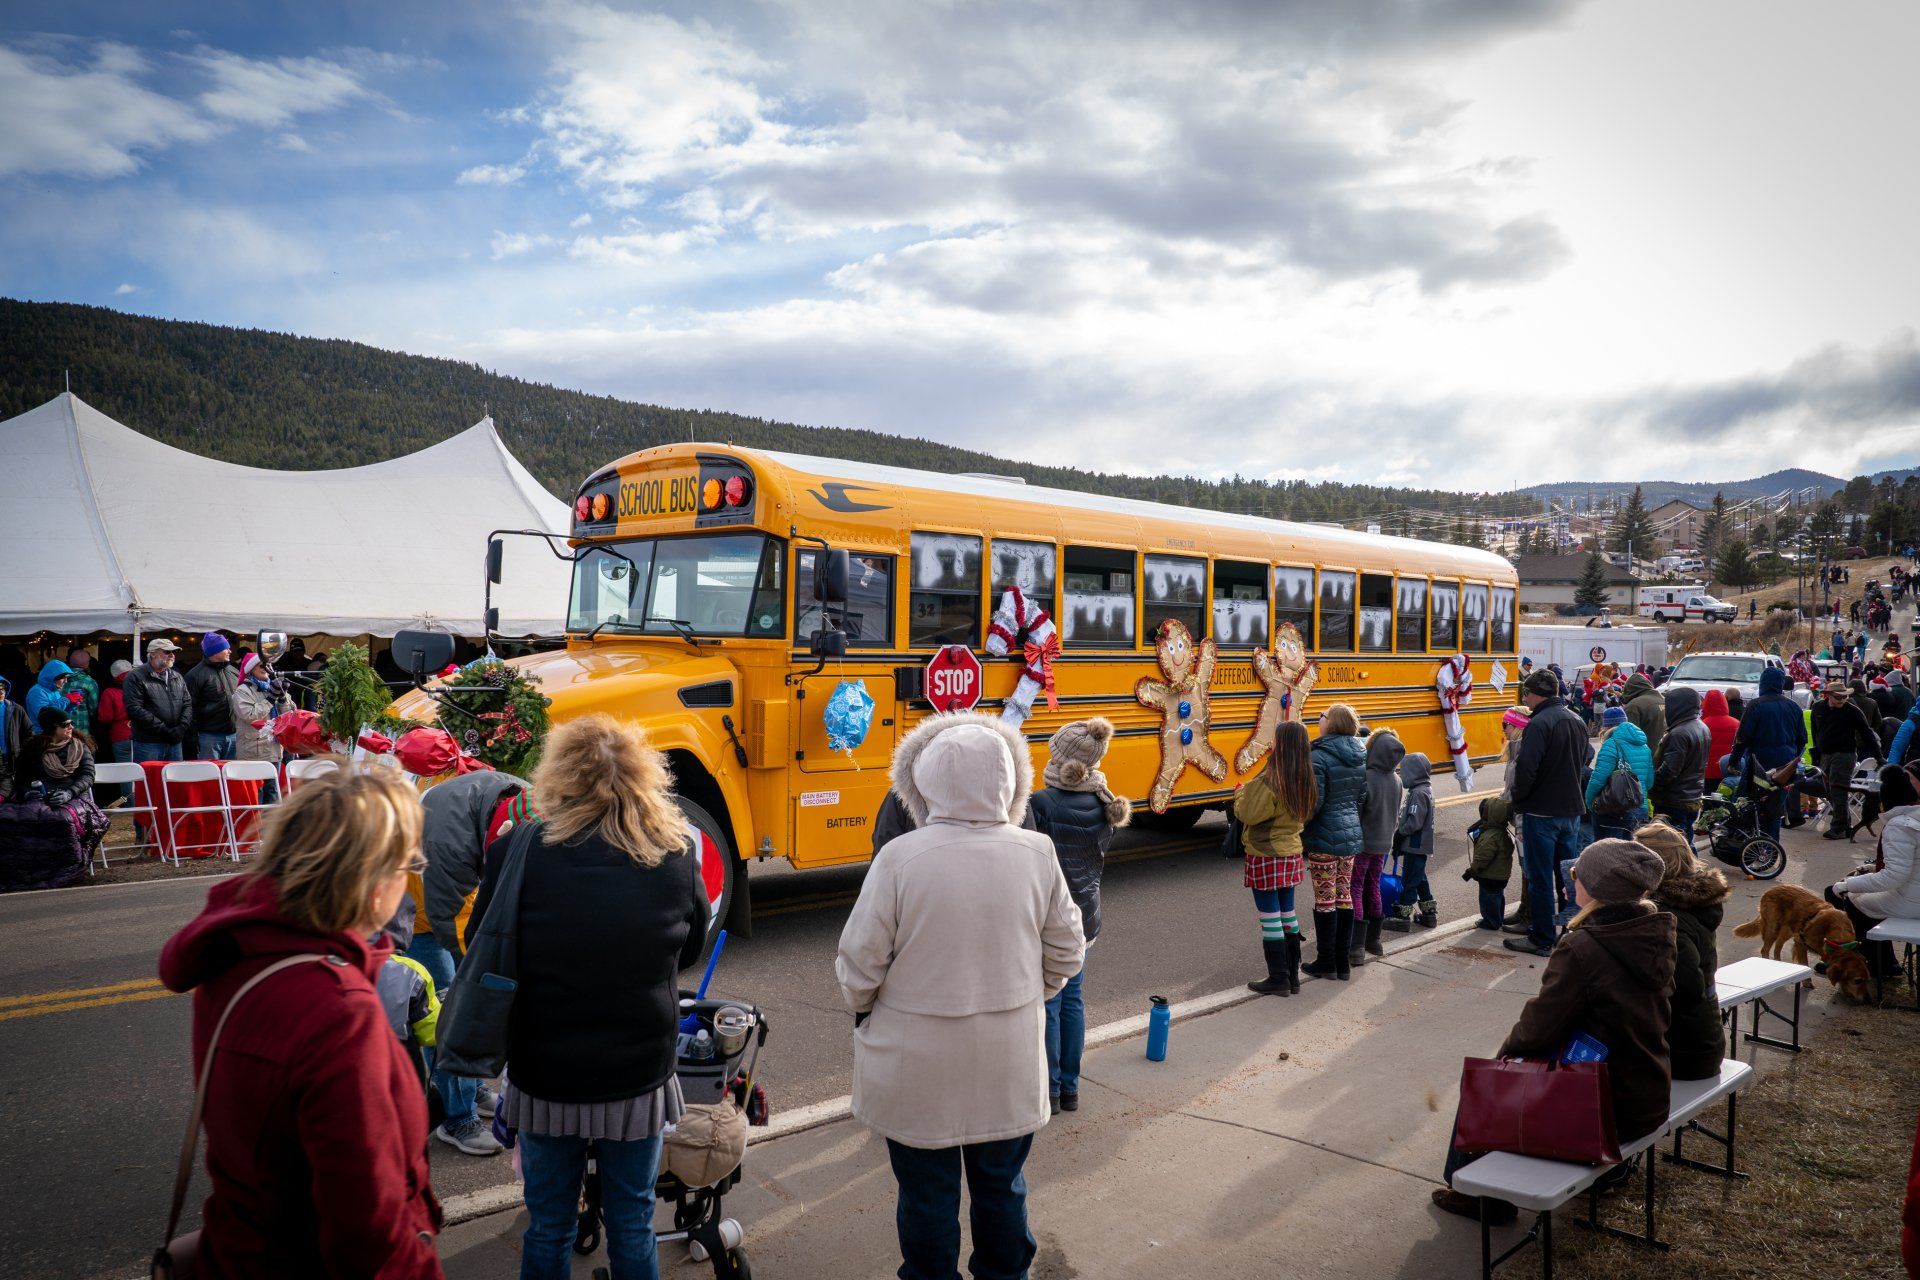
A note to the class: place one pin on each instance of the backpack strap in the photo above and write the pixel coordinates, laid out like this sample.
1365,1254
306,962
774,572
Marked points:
183,1173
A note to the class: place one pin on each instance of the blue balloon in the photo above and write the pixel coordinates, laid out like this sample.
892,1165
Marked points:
849,715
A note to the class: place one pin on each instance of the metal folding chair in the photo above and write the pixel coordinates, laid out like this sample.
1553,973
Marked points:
185,773
298,771
245,771
114,773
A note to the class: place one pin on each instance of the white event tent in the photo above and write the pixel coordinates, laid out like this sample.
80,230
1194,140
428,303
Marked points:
107,530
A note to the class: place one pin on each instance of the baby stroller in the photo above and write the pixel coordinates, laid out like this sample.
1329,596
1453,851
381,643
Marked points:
1734,828
698,1213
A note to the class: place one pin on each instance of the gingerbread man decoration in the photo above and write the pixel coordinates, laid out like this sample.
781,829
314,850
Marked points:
1181,700
1289,676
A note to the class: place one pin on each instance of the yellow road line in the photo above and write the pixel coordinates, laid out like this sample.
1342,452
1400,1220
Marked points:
77,993
68,1006
1473,796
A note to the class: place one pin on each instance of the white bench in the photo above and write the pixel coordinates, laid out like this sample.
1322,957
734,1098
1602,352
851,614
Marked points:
1751,981
1907,934
1541,1186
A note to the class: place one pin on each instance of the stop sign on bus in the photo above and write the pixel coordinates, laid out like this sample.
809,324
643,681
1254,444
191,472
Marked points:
953,678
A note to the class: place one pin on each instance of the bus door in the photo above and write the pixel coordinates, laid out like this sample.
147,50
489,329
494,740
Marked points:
838,792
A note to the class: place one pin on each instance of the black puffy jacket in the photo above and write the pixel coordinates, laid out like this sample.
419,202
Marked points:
1548,773
159,708
212,685
1080,825
1680,766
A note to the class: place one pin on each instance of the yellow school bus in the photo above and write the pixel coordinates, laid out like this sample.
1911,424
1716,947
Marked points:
695,611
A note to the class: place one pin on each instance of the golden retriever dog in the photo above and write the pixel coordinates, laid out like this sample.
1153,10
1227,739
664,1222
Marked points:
1789,913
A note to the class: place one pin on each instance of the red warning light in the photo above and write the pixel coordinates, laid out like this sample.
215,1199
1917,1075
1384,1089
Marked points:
736,491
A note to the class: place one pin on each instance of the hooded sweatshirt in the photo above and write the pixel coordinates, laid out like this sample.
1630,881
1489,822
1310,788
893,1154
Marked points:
1696,900
1774,728
1414,831
47,693
1680,767
1612,978
1646,708
1340,780
1385,751
316,1124
1721,726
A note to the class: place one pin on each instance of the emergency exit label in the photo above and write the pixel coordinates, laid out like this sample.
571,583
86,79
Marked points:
953,679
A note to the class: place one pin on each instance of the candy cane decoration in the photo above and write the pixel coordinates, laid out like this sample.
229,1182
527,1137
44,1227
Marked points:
1025,630
1455,684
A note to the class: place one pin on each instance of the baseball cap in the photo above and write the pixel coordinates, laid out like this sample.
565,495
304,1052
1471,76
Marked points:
163,645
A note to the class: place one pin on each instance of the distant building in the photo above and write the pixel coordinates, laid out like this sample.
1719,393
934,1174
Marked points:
1675,524
1547,582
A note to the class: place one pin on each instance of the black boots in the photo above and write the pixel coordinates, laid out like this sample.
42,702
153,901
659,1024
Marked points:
1322,965
1400,920
1294,945
1429,914
1356,946
1372,945
1342,942
1275,983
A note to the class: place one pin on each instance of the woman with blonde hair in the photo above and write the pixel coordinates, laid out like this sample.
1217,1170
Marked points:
1333,836
611,909
316,1123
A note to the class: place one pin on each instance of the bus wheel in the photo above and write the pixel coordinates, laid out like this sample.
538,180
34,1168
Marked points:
1173,821
719,869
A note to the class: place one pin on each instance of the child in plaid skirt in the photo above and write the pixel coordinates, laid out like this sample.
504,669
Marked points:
1273,806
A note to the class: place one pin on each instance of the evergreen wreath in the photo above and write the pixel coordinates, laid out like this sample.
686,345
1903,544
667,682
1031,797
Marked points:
507,730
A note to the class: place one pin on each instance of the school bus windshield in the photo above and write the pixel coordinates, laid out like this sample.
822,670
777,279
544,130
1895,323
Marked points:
705,584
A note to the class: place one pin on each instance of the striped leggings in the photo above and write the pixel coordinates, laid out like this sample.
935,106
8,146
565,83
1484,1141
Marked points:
1332,878
1276,913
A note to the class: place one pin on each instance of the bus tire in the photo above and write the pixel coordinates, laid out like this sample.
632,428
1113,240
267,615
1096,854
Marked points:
732,876
1172,821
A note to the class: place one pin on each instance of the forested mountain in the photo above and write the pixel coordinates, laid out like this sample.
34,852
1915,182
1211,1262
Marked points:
273,400
1583,493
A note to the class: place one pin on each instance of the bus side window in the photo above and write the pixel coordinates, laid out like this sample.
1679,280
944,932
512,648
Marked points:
1446,615
867,617
1336,610
1376,612
1176,587
1026,565
1503,602
1410,616
1099,598
1239,605
1473,611
1293,601
943,606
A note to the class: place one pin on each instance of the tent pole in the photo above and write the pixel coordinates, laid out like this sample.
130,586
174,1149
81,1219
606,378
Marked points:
136,638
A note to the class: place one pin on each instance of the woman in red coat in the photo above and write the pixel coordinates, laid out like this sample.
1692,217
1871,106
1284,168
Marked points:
316,1121
1715,714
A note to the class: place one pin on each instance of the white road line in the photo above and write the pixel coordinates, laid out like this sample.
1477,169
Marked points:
506,1197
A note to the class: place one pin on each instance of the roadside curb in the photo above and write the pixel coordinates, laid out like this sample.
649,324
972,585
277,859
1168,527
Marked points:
506,1197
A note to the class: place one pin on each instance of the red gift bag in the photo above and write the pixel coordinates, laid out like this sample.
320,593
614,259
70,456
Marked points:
1552,1110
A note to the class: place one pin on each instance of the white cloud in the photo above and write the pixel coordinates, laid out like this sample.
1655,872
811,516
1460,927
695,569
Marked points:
92,120
512,244
491,175
121,291
87,110
271,91
584,220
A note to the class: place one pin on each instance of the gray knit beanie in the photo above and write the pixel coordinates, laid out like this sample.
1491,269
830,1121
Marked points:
1618,872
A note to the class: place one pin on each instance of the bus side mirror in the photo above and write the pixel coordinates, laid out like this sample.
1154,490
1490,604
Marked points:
272,645
831,569
829,644
496,555
492,619
422,653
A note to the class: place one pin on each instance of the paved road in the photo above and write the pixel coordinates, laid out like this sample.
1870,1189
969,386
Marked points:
97,1080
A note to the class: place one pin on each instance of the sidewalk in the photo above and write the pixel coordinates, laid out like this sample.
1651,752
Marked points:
1281,1136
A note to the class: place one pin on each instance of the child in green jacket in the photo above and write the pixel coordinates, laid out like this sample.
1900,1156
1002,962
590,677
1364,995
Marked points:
1492,861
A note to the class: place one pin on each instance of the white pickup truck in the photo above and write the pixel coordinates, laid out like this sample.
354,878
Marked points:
1729,673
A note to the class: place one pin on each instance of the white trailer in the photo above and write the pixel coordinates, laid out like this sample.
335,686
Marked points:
1573,645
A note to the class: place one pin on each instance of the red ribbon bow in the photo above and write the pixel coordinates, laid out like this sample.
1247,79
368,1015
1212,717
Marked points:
425,752
374,743
1040,666
300,733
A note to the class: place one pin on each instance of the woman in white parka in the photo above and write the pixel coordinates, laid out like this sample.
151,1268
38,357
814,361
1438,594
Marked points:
963,930
1888,888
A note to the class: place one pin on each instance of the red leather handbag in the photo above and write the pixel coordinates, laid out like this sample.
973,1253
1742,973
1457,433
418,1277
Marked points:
1552,1110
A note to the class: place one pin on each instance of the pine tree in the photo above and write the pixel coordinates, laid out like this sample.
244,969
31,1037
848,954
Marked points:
1631,528
1735,566
1592,587
1714,530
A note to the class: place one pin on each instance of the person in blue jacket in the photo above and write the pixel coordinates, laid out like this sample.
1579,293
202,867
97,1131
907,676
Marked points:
50,690
1773,733
1902,740
1622,742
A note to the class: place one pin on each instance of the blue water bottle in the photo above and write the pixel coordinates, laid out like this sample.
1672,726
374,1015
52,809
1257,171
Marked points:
1159,1022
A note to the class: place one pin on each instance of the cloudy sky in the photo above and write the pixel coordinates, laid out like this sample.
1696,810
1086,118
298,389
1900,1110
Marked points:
1470,243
